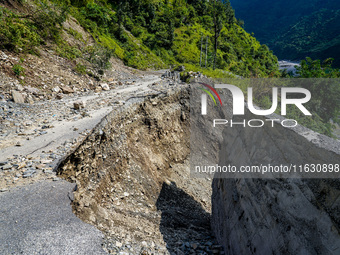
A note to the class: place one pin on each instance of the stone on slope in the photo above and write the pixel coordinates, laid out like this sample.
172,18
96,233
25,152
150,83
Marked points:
17,97
67,90
105,86
79,105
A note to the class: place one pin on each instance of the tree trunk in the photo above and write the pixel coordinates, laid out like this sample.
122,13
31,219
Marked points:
206,52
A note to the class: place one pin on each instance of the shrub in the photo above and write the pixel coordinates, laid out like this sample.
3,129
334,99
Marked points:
48,20
79,68
75,34
100,57
17,34
18,70
25,32
66,51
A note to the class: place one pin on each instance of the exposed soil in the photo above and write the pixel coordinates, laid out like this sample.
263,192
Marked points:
133,181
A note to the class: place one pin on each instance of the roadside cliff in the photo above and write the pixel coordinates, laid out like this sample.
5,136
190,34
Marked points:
277,215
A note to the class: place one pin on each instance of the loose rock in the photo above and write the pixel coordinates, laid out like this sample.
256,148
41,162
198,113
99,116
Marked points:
79,105
105,86
17,97
67,90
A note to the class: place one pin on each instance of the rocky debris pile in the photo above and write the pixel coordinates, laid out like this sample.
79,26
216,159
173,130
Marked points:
177,76
127,248
29,79
176,224
17,167
22,169
196,74
27,121
207,246
36,119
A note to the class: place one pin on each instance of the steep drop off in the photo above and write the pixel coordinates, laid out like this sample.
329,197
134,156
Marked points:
133,183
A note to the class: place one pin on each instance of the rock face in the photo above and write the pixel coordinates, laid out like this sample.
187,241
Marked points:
277,216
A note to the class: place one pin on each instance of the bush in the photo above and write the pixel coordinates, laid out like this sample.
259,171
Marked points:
48,20
64,50
18,70
79,68
24,33
100,57
310,68
17,34
75,34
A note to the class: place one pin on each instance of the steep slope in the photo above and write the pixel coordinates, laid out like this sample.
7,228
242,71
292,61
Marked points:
144,34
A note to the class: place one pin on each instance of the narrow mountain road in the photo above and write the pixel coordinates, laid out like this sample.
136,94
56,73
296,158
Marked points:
54,128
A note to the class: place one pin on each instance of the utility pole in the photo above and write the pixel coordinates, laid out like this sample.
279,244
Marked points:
201,50
206,52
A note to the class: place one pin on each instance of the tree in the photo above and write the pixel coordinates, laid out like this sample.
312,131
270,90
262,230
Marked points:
223,15
315,69
325,92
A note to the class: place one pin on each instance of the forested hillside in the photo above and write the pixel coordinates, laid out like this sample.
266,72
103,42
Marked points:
144,34
316,36
294,29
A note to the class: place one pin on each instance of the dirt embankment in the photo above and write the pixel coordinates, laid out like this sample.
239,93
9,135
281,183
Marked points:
133,180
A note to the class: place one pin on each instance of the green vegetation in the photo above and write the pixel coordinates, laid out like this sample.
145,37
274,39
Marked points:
17,34
144,34
18,70
65,50
79,68
310,68
294,29
22,33
173,32
99,56
316,35
324,105
75,34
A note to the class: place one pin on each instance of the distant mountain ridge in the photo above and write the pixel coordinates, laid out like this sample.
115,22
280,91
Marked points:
294,29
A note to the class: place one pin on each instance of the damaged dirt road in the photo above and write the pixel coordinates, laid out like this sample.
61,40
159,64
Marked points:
36,137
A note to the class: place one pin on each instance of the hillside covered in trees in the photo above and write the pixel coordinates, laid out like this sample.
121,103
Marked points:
294,29
147,34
